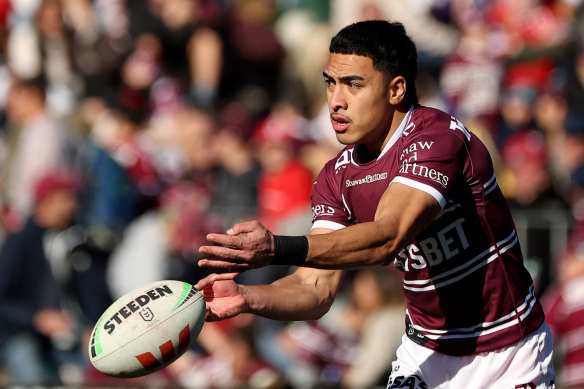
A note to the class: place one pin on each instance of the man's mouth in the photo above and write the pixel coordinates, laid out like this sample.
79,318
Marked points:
340,122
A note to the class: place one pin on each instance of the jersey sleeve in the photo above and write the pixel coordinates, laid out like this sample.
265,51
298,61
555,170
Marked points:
431,162
328,210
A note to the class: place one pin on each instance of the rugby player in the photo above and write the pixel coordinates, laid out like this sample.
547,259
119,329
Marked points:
415,187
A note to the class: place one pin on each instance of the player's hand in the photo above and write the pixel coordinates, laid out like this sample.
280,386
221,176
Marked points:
223,297
247,245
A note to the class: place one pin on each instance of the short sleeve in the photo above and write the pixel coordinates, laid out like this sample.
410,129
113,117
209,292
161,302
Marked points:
328,209
431,162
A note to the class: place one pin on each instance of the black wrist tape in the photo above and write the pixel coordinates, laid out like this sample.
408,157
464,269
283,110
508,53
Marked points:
290,250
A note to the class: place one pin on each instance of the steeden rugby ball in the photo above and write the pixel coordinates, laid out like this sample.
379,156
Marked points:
147,329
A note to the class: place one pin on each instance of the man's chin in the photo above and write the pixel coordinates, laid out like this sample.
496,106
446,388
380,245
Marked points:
344,138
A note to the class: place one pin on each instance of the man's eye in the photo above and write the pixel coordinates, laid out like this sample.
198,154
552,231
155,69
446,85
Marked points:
328,81
354,85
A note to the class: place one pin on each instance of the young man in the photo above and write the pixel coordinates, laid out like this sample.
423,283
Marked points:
413,186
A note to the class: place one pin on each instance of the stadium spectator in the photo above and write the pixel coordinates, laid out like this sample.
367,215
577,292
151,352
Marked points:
192,47
574,84
530,185
525,155
235,189
550,112
232,361
42,143
572,156
564,307
515,112
36,332
42,46
285,184
374,316
470,76
254,56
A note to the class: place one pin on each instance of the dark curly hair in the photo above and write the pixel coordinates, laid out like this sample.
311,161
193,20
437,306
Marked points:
387,44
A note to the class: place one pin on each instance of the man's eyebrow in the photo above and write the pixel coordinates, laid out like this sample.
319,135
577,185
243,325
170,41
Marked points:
344,78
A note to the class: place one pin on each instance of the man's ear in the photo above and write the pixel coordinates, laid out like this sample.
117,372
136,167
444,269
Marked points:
397,90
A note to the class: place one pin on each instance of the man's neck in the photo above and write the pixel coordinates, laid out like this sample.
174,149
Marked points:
362,154
367,153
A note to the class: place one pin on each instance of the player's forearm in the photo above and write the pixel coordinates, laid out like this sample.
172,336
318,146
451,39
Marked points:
289,299
402,213
365,244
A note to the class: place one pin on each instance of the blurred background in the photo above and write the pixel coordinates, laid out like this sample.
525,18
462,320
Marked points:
131,128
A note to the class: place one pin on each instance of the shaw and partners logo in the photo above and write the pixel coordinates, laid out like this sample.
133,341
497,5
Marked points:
369,178
424,171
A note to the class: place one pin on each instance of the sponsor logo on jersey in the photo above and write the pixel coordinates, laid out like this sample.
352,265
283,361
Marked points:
322,210
412,150
409,382
424,171
344,159
448,242
531,385
369,178
138,304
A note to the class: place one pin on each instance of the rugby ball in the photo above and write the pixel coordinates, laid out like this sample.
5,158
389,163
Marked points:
147,329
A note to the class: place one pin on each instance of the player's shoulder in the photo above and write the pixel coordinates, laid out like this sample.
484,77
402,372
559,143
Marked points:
438,127
430,116
428,121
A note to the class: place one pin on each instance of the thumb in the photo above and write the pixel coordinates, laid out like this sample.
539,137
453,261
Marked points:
225,276
205,282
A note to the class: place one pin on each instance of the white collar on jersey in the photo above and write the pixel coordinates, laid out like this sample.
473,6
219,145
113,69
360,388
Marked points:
398,132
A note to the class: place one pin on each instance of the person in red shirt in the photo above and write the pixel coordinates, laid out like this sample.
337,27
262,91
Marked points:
285,184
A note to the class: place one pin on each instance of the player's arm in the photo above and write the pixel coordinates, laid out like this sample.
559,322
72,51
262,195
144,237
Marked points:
306,294
402,213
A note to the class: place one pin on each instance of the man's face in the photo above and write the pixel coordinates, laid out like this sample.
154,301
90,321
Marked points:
358,100
58,208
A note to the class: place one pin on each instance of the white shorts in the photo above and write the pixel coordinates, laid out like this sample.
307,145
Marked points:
525,365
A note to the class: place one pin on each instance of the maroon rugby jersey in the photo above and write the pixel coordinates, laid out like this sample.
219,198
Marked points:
466,287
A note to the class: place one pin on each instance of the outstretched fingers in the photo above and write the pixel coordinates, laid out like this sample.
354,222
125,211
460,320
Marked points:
245,246
228,254
231,267
208,281
225,240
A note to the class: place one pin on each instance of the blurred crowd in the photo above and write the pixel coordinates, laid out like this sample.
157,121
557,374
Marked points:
131,128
